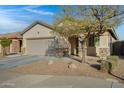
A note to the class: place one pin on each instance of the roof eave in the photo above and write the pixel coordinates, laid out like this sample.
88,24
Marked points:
33,24
113,33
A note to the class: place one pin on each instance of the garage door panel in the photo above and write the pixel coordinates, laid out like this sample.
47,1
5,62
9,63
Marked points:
38,46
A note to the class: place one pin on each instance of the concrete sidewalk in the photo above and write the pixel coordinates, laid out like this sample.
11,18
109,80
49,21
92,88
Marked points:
49,81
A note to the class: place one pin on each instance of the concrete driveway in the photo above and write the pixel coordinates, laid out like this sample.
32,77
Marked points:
11,62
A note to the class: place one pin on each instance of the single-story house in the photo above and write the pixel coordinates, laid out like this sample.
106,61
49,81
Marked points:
15,46
37,40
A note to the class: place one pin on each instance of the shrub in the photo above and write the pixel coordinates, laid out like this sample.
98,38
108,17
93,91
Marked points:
5,42
113,60
110,64
104,66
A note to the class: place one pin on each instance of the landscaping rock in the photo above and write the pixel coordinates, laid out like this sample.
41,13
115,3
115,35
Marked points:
50,62
72,66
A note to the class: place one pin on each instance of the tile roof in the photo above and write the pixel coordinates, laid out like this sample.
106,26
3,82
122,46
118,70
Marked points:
14,35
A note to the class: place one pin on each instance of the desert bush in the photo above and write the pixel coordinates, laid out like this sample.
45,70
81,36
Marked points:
5,42
110,64
113,60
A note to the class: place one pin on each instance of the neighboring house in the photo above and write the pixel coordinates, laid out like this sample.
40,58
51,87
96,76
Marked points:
37,40
118,48
16,44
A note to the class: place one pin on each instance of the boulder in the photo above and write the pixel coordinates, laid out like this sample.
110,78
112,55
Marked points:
72,66
50,62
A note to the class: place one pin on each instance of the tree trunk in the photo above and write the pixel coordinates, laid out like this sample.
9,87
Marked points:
69,45
3,51
83,52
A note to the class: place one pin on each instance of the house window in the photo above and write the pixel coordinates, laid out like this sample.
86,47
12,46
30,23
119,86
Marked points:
91,41
97,41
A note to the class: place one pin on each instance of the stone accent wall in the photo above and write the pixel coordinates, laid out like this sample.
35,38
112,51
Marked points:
15,46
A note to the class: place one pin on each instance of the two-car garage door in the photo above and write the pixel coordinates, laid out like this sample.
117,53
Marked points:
38,46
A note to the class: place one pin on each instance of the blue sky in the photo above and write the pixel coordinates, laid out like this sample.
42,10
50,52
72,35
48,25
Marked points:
16,18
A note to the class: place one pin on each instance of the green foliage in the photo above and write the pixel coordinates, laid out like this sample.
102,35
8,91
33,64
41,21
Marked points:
69,26
104,66
110,64
5,42
113,60
77,20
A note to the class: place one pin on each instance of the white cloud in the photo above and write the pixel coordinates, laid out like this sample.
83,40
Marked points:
8,22
12,20
31,7
10,25
40,12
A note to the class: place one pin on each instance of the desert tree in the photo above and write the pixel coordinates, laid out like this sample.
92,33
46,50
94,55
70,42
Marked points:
84,21
5,42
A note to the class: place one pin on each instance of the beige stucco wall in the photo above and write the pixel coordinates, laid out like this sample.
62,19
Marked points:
15,46
73,45
104,43
104,39
11,48
36,31
113,39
